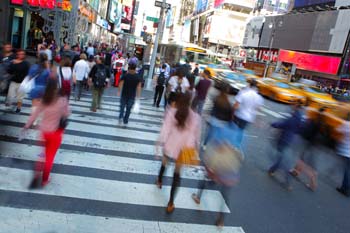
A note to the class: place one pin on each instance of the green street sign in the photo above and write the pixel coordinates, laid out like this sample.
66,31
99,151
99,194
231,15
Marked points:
153,19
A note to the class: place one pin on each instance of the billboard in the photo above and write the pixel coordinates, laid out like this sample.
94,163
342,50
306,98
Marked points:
201,5
306,3
115,14
325,31
127,15
253,31
311,62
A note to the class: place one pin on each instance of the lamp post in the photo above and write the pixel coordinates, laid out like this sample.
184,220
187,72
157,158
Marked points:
272,25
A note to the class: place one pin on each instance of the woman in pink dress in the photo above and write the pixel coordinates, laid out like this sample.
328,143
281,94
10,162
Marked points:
181,129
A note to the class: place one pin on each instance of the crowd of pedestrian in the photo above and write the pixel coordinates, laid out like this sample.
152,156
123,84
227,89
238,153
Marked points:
183,93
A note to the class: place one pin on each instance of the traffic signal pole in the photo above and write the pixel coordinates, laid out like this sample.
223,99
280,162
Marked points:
155,46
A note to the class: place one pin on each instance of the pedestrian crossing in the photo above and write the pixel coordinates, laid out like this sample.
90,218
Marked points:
103,177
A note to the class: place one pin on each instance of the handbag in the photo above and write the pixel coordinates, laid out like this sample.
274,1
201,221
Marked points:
188,156
28,83
136,108
63,123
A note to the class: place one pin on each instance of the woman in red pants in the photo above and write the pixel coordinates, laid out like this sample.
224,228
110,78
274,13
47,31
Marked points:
53,108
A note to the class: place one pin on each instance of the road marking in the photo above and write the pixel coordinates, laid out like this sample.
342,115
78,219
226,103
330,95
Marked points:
99,161
96,119
30,221
111,191
87,142
88,128
271,113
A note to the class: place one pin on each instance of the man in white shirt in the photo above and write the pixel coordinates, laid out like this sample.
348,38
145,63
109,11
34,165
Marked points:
80,73
248,101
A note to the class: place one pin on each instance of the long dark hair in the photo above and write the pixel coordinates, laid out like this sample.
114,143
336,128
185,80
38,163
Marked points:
183,102
51,92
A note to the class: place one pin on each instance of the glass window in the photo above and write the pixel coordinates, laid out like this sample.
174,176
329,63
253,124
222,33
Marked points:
282,85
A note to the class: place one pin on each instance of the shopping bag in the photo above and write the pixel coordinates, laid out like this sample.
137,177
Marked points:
223,157
188,156
136,108
27,84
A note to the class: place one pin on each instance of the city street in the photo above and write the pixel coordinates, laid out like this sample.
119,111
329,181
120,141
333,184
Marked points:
104,174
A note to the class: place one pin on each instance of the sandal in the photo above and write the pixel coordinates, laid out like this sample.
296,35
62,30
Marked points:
170,208
196,198
159,184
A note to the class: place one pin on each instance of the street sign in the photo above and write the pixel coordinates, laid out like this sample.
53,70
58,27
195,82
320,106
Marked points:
153,19
160,4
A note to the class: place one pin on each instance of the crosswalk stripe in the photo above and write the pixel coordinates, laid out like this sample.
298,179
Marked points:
272,113
88,128
99,161
24,220
95,119
111,191
88,142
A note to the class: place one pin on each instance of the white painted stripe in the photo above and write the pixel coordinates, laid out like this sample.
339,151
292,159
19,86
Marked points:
99,161
88,128
271,113
286,114
115,114
111,191
113,105
86,142
116,108
97,119
38,221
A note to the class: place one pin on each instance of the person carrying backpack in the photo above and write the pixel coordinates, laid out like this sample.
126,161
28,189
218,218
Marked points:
159,87
64,77
99,78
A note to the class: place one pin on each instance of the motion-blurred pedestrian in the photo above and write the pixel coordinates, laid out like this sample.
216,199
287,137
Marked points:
159,88
289,128
54,109
80,74
40,72
6,57
180,133
177,84
343,150
65,76
129,89
18,69
201,91
99,77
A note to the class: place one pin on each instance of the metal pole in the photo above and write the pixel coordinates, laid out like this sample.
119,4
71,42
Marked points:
270,48
155,47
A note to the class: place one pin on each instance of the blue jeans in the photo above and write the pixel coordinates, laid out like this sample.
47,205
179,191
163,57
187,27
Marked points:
200,105
280,163
128,103
346,186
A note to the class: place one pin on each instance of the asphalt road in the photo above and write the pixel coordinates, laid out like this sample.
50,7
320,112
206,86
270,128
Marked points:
105,173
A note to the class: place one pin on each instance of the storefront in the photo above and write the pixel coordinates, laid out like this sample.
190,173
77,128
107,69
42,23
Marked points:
36,21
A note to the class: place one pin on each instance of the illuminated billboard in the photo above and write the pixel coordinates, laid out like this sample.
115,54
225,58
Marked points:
311,62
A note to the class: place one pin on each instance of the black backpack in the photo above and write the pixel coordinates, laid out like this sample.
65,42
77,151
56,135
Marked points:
161,79
100,77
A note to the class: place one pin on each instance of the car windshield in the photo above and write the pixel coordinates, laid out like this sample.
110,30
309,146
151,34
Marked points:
314,90
282,85
236,77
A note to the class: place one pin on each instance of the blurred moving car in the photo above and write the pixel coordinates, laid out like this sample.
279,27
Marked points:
332,117
314,96
279,91
234,81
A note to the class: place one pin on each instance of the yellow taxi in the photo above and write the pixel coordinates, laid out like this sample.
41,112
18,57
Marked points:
314,96
279,91
332,117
